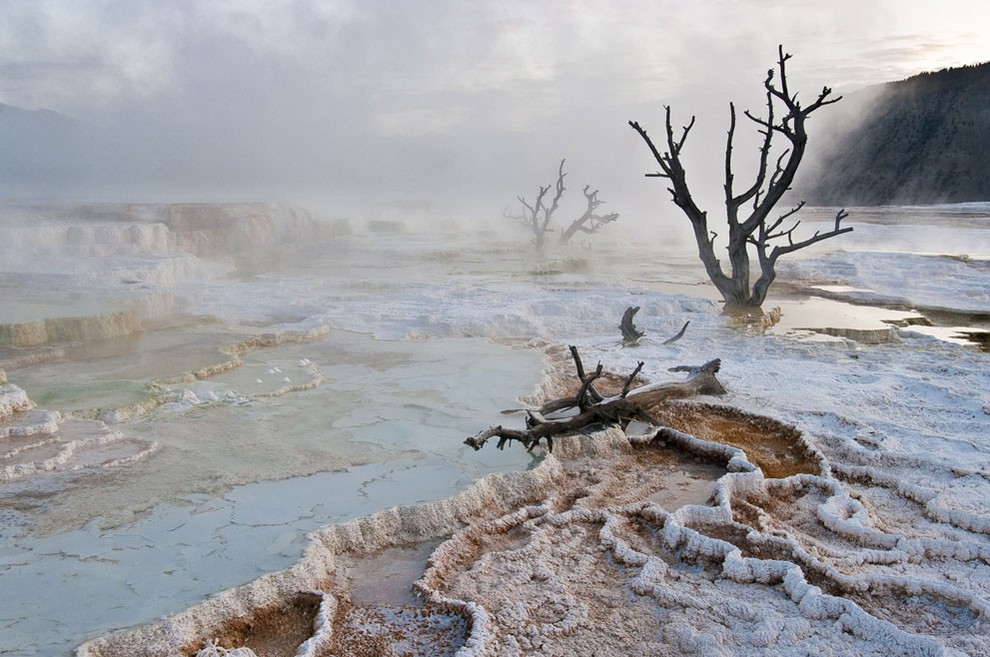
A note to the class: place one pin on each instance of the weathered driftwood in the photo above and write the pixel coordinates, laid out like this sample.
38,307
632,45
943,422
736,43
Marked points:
630,334
680,334
588,407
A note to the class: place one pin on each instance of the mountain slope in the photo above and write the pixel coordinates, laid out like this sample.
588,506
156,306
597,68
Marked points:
39,145
922,140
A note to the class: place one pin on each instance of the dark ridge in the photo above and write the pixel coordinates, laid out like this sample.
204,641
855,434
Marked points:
920,141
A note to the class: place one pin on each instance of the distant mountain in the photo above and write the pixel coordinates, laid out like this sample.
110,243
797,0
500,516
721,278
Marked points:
919,141
14,119
39,145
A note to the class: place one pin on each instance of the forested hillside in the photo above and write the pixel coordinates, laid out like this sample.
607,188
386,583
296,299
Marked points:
918,141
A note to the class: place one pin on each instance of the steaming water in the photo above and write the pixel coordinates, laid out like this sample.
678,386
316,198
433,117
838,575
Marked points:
424,348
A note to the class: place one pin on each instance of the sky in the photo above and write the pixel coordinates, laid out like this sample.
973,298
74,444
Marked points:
437,104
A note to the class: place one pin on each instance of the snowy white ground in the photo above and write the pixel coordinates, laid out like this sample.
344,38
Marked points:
904,426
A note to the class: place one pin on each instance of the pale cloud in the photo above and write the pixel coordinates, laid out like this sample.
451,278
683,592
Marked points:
306,90
390,50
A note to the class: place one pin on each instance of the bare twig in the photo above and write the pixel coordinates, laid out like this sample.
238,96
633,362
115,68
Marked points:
629,380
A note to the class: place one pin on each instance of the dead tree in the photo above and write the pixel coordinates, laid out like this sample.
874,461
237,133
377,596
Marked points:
589,222
536,216
589,407
770,237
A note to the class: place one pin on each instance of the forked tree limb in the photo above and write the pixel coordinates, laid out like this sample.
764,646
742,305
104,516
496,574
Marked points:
589,222
572,414
587,390
583,378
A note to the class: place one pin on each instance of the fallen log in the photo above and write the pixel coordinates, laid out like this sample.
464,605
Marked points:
589,407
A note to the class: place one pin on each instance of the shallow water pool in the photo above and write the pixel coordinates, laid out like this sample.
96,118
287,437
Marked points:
247,464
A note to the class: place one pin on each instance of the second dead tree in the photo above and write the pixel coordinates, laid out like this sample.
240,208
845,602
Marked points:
538,215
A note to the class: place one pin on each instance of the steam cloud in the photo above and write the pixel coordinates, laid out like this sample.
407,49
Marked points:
441,105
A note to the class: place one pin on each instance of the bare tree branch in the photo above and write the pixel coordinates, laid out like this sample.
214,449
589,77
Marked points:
630,379
559,193
536,217
589,222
